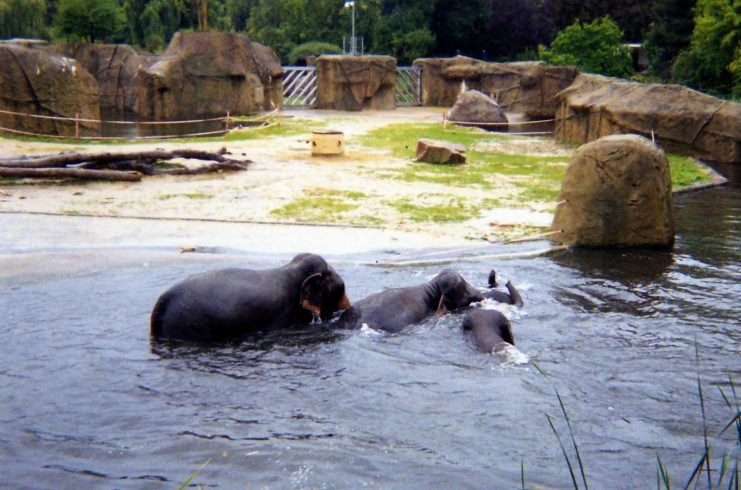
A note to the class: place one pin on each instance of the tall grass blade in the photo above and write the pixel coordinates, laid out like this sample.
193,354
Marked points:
573,440
734,477
704,418
697,471
193,475
522,473
734,407
563,450
723,465
664,474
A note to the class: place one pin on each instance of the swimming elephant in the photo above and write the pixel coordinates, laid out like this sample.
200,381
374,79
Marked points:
394,309
490,330
229,303
513,298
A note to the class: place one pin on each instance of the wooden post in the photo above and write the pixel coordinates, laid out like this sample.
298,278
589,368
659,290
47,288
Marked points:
77,125
227,121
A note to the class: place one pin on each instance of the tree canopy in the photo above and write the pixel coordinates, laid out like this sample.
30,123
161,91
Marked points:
595,47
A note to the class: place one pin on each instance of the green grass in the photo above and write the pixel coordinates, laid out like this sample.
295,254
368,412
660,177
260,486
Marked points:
320,206
454,210
536,178
685,171
194,195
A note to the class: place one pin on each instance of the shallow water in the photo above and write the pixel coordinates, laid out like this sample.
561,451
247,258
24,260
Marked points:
88,402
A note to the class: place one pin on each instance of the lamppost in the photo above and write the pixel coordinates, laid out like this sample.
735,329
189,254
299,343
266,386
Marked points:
353,42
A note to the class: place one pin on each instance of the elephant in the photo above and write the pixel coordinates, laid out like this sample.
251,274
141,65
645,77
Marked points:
489,329
394,309
513,298
229,303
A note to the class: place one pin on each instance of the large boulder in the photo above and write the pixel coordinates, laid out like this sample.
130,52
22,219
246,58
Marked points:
474,107
616,193
445,152
207,74
114,66
354,83
526,87
680,119
33,81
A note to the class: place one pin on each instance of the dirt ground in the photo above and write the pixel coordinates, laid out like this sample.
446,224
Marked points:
284,171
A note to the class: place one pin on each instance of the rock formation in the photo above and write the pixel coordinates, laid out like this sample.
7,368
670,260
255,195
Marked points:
682,120
473,106
33,81
433,151
616,193
206,74
115,67
354,83
527,87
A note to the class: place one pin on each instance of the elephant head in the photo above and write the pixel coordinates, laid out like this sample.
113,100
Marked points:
455,292
323,293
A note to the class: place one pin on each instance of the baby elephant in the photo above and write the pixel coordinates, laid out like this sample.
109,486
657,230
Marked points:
513,298
229,303
394,309
489,329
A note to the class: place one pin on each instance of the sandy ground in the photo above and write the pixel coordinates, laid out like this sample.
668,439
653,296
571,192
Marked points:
283,171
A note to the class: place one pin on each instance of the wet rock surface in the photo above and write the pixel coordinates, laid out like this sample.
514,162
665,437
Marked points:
474,107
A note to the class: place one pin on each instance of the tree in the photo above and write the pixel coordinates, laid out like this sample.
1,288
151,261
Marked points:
404,30
711,62
595,47
22,18
632,16
669,34
88,20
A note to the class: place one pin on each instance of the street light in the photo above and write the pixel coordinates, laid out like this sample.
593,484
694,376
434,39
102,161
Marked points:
353,47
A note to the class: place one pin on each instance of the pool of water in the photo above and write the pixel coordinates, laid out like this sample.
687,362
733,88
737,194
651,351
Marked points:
89,402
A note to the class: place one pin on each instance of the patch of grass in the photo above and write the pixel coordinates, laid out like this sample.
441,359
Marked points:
540,180
455,210
194,195
685,171
319,206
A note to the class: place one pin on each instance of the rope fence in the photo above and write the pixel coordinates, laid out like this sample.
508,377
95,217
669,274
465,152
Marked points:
228,121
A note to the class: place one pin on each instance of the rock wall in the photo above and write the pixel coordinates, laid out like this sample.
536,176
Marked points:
526,87
33,81
206,74
114,66
682,120
354,83
617,192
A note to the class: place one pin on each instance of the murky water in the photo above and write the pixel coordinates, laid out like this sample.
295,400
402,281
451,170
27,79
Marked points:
88,402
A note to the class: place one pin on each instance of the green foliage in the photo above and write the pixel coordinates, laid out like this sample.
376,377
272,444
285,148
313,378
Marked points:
669,34
711,62
595,47
23,18
312,48
88,20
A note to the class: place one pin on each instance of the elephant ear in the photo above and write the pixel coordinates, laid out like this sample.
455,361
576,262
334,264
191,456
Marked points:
311,294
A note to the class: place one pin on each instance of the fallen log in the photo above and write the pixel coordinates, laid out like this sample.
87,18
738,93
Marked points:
70,173
68,159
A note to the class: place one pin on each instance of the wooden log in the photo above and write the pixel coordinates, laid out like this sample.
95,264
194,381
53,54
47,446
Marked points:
70,173
66,159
